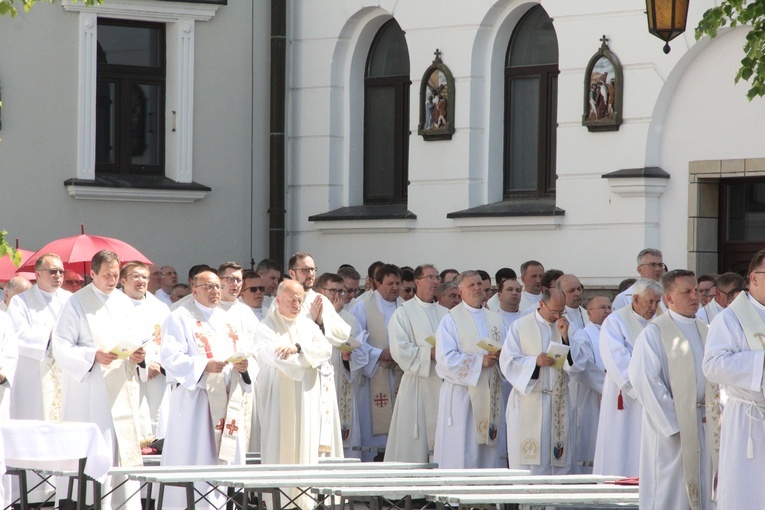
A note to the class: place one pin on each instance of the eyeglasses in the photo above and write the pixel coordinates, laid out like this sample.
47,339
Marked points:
73,282
209,286
307,270
354,292
54,272
334,292
557,313
234,280
407,291
431,277
138,277
655,265
256,288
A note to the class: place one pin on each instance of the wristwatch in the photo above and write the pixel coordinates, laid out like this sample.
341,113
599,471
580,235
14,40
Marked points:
299,349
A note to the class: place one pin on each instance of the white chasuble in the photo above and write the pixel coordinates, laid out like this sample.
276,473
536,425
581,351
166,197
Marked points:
107,329
486,395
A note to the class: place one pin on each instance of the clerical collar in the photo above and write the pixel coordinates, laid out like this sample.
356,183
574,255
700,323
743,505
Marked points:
137,302
423,303
471,309
206,312
756,303
101,294
46,293
681,318
542,319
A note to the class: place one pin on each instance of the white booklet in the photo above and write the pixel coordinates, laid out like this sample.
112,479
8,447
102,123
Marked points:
125,348
490,345
558,352
239,356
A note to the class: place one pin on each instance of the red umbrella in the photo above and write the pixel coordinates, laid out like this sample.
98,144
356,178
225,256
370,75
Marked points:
8,270
76,252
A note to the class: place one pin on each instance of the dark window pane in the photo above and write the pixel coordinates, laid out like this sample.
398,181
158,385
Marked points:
380,164
389,55
552,129
145,124
106,123
534,41
130,45
386,116
524,131
746,212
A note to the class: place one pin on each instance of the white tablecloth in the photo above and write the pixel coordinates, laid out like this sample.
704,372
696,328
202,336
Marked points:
34,444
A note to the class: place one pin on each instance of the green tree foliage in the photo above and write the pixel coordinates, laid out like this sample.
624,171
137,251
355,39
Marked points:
8,7
741,12
7,249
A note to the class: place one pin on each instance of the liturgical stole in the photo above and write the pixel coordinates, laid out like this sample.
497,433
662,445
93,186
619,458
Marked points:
379,385
682,379
119,376
486,396
228,405
531,410
42,313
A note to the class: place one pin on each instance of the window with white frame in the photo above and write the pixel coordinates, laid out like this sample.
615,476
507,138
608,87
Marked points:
111,141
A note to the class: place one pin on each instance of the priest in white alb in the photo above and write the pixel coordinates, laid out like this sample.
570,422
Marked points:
538,411
209,362
727,287
37,393
8,359
734,358
294,413
587,384
681,410
150,314
378,381
470,407
411,334
97,346
617,448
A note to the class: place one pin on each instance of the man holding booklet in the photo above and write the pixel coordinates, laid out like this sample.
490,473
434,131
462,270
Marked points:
536,361
98,349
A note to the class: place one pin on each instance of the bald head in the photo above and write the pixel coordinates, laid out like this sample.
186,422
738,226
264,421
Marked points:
289,298
552,305
15,285
572,288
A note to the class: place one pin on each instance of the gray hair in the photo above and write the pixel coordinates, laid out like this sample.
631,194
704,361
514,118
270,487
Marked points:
465,274
648,251
446,286
645,284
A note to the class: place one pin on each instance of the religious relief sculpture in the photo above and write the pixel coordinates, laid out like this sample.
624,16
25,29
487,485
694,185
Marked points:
437,102
603,86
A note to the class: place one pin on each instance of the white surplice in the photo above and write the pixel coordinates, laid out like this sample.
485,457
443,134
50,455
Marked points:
617,449
456,445
413,426
585,352
529,301
85,396
150,314
662,479
709,311
8,360
33,330
519,368
38,392
729,361
190,438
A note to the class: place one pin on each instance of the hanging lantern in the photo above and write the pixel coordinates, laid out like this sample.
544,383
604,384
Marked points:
666,19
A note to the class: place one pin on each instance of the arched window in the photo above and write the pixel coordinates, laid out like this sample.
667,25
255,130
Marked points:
531,104
386,117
